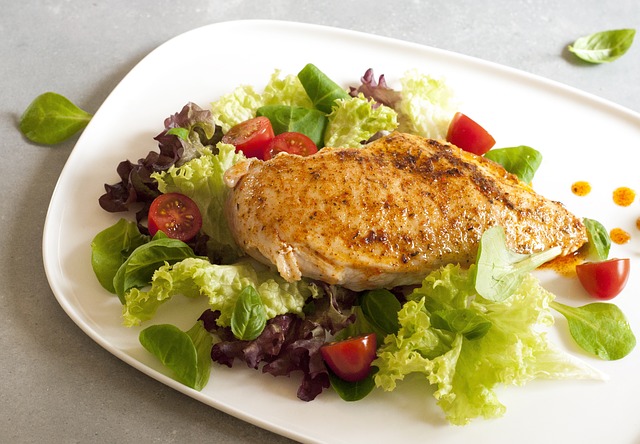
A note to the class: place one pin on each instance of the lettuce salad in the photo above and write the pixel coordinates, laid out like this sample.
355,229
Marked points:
463,343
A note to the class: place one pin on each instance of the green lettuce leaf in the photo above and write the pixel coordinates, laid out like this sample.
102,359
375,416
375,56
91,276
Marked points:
235,107
354,120
285,91
202,180
513,351
222,285
427,105
242,103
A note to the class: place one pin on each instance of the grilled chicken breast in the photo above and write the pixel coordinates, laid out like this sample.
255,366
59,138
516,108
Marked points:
386,214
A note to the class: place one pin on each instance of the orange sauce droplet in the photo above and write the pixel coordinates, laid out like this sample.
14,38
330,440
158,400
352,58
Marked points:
624,196
638,223
581,188
566,265
619,236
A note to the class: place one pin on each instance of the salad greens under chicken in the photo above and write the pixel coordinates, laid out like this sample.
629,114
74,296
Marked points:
464,340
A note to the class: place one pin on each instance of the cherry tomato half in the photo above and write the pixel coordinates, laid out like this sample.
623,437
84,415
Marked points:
351,359
176,215
604,280
292,143
468,135
251,136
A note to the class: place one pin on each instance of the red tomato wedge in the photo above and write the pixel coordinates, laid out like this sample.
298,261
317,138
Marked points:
606,279
468,135
176,215
292,143
351,359
251,136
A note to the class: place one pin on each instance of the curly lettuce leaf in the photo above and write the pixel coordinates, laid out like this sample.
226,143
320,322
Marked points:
221,284
354,120
235,107
285,91
465,372
242,103
202,180
427,105
185,136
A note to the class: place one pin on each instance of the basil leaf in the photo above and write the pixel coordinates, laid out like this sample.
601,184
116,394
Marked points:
322,91
139,267
599,328
499,272
310,122
186,354
523,161
599,240
52,118
603,47
381,308
469,323
110,249
249,316
352,391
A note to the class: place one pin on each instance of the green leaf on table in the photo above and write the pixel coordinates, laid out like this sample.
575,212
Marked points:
599,328
604,46
52,118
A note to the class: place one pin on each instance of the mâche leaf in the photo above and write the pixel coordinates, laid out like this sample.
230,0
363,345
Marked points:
322,91
310,122
604,46
523,161
599,240
500,271
599,328
138,269
110,249
381,307
52,118
187,354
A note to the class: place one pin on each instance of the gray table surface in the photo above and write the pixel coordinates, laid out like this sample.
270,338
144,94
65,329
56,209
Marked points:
57,385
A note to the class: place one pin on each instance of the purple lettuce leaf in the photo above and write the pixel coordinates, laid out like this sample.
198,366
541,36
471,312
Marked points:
136,185
378,91
288,343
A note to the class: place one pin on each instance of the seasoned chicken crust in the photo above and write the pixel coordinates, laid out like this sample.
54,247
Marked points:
386,214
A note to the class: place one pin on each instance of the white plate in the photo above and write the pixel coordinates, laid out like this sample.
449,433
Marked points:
580,136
